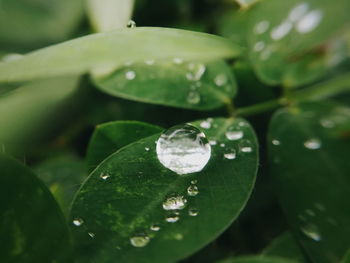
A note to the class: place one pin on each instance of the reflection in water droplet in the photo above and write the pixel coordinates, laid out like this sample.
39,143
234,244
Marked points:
78,221
234,135
261,27
259,46
212,142
104,176
298,12
193,97
245,146
139,240
183,149
178,60
230,155
92,235
276,142
281,31
172,218
193,212
130,75
309,22
131,24
313,144
311,231
174,203
155,227
220,80
192,190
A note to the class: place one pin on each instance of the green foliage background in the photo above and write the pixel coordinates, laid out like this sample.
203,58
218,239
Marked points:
84,94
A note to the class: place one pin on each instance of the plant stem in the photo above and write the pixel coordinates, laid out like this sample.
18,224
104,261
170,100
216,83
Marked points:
259,108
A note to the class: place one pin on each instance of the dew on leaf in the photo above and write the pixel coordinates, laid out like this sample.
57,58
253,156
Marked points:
193,212
220,80
281,30
130,75
192,190
183,149
139,240
194,181
212,142
193,97
245,146
261,27
276,142
131,24
230,155
155,227
312,232
309,22
259,46
178,60
172,218
205,124
104,176
78,221
312,144
234,135
147,149
174,203
92,235
298,12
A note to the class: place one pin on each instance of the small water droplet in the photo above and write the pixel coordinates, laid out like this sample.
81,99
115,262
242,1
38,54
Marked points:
309,22
104,176
92,235
230,155
311,231
320,207
147,149
312,144
222,145
183,149
130,75
78,221
172,218
174,203
193,97
178,60
234,135
212,142
155,227
327,123
276,142
205,124
131,24
178,236
220,80
193,212
245,146
259,46
265,54
281,31
139,240
310,212
261,27
192,190
194,182
198,70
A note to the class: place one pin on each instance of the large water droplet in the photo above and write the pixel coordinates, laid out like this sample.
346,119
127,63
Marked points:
174,203
78,221
281,31
192,190
309,22
313,144
311,231
131,24
298,12
183,149
139,240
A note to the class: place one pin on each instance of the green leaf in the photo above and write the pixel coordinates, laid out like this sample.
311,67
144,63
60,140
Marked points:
63,175
107,50
107,15
33,23
285,246
346,258
110,137
298,41
257,259
309,145
25,112
185,85
32,226
123,197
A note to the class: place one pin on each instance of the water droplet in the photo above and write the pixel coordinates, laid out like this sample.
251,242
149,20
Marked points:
298,12
183,149
309,22
310,212
311,231
230,155
320,207
212,142
265,54
276,142
220,80
130,75
139,240
245,146
198,70
193,97
222,145
234,135
193,212
192,190
205,124
261,27
313,144
175,203
92,235
327,123
193,181
281,31
259,46
104,176
147,149
78,221
155,227
178,236
131,24
172,218
178,60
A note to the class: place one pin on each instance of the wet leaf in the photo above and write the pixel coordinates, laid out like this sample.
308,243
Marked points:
32,226
122,203
257,259
105,51
298,41
308,148
110,137
285,246
174,83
